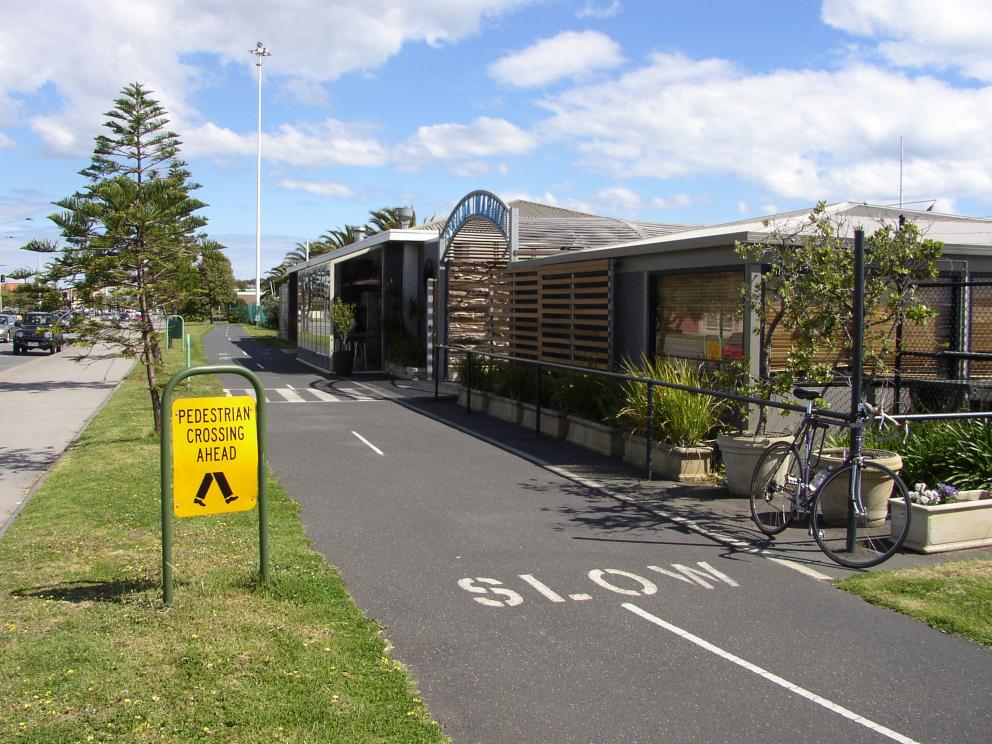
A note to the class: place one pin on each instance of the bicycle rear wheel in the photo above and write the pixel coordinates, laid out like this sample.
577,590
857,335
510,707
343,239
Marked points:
774,487
863,540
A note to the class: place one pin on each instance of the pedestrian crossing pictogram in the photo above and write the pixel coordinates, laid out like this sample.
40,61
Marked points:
208,479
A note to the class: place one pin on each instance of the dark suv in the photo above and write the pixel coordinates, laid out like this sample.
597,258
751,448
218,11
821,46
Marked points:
38,331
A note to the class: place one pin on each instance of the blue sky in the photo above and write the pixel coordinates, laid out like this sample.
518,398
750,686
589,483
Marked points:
665,111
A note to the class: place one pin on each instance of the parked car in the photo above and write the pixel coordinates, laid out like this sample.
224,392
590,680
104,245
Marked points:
7,327
38,331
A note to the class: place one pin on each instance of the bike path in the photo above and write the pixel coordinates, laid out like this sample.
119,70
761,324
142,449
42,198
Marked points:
531,608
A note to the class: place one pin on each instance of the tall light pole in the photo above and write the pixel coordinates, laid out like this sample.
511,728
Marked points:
260,53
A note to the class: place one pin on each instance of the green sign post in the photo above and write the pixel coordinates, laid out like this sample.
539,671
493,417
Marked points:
174,328
217,465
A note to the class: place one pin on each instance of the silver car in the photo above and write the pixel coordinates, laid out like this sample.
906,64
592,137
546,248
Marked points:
6,327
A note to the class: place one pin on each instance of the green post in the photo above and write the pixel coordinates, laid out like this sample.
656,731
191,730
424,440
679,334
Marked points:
187,351
166,470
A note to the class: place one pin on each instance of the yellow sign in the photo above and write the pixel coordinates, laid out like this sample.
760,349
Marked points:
214,455
714,350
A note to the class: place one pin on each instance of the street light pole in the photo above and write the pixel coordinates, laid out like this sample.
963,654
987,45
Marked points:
260,53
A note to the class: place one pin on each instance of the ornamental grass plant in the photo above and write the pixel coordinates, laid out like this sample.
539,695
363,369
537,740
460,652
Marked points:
681,417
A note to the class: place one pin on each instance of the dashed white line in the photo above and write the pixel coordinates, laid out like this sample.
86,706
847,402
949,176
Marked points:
773,678
368,443
291,395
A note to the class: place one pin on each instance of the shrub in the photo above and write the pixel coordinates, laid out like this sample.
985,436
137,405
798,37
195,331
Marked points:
959,453
587,396
681,417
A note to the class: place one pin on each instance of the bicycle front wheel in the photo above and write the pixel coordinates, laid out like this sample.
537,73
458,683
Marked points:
859,540
774,487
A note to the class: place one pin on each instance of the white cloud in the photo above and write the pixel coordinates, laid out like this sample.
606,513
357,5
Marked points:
463,145
678,202
305,92
306,145
921,34
569,54
592,10
318,188
799,134
619,199
151,41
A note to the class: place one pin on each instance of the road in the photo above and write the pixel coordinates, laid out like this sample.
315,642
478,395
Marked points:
47,401
531,608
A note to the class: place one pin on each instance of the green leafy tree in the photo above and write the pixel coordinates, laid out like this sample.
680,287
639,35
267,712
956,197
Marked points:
806,292
130,236
216,277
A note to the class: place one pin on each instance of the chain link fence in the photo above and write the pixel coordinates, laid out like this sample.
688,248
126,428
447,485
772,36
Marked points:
946,364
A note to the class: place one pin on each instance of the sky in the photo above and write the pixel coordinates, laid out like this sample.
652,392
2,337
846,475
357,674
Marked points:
655,110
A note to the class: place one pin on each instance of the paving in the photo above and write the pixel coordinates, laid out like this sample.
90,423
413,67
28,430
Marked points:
539,592
47,402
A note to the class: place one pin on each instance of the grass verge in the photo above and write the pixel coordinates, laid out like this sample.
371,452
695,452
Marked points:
89,653
954,597
267,336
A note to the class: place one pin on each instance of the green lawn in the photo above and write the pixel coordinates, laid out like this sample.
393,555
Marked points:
88,652
954,597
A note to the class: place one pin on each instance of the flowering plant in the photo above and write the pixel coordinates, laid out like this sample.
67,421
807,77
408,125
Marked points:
942,494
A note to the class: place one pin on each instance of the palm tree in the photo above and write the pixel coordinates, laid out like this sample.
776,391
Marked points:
387,218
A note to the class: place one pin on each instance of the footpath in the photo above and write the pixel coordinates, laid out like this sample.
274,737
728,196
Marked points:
708,509
47,402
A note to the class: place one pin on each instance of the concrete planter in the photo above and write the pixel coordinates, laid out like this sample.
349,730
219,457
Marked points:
553,424
740,453
596,437
875,487
480,400
505,409
671,461
936,529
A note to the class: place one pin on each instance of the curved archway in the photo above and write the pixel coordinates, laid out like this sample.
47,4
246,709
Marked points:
475,252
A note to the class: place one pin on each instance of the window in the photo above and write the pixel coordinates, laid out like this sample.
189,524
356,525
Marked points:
698,316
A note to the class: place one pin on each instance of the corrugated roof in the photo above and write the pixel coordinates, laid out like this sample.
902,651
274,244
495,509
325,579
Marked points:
958,233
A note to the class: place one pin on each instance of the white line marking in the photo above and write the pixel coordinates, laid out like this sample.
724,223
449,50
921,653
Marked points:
773,678
324,396
259,365
375,390
366,441
291,387
579,597
291,395
818,575
354,394
542,589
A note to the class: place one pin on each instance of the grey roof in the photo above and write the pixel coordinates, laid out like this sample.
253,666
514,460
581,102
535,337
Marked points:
960,234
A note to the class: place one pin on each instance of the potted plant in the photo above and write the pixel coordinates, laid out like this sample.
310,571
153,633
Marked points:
804,293
343,322
682,420
944,518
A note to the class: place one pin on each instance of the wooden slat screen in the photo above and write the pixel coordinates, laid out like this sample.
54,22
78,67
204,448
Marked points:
562,313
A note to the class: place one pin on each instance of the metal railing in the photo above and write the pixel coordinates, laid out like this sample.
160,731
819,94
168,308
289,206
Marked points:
844,420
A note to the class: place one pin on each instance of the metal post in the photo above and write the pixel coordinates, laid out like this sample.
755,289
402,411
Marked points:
187,350
468,382
537,404
437,377
857,374
165,470
650,432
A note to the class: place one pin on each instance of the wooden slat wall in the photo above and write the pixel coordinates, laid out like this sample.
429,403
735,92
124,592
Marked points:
478,287
562,313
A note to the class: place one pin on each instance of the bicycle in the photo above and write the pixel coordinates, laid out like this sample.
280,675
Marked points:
782,489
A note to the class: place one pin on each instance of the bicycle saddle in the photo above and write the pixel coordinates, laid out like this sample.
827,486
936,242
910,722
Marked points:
806,394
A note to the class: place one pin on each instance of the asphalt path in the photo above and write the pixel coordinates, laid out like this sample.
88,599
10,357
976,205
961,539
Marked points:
531,608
